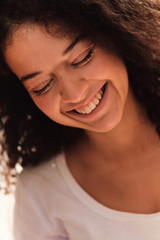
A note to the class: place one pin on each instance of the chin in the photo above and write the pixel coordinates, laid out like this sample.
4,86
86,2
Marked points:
105,126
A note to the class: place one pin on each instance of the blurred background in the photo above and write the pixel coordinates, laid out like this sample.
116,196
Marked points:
6,194
6,216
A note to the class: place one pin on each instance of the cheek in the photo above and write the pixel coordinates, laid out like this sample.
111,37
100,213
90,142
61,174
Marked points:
104,66
48,104
108,67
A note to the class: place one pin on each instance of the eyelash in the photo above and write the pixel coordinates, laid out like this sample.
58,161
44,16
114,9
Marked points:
85,59
75,65
44,89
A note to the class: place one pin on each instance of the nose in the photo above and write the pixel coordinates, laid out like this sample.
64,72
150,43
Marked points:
73,89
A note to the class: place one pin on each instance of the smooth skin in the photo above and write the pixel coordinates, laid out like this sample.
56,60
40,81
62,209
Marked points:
118,164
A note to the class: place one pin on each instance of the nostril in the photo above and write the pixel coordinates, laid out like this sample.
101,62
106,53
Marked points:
73,89
74,96
86,108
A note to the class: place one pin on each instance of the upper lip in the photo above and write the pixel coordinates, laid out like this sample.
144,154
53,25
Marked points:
86,102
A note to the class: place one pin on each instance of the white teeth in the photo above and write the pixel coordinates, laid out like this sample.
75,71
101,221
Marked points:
101,92
87,110
92,104
98,96
79,111
83,111
96,101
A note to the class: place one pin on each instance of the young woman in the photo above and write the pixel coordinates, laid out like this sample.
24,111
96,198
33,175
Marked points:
79,98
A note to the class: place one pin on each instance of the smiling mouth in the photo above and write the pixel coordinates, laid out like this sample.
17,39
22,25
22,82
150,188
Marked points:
92,104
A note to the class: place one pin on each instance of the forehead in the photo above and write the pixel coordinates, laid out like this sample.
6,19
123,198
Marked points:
30,36
32,45
28,29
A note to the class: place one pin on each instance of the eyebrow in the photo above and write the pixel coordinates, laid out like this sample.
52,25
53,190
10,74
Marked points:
67,50
29,76
72,45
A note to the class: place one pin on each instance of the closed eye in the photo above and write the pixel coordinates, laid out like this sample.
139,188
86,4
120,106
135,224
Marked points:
44,89
84,57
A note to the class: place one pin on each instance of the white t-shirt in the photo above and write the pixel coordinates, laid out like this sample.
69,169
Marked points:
50,205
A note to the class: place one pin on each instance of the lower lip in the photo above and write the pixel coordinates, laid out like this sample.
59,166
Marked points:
98,108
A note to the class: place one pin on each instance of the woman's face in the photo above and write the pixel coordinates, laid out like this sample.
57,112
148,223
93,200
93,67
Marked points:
75,82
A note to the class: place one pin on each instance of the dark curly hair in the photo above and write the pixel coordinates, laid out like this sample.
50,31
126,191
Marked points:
132,26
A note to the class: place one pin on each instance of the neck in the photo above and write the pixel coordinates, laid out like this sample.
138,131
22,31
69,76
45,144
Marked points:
133,136
134,140
123,162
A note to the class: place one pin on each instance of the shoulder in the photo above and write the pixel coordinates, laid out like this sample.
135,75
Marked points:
41,187
45,170
35,211
42,178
